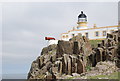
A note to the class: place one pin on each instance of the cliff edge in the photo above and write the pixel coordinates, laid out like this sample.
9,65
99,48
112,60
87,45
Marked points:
74,56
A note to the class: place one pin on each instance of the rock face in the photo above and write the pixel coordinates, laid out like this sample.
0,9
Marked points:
108,50
66,57
73,56
118,51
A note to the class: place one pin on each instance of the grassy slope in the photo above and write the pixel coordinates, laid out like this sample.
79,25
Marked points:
94,43
111,76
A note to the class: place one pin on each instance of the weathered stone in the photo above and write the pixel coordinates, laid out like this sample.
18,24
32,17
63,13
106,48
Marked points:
61,68
109,35
87,49
41,61
92,59
73,58
46,50
80,66
76,49
103,43
55,69
53,57
64,47
75,74
107,50
85,39
47,58
68,57
35,65
98,55
75,68
69,66
118,56
65,63
103,55
50,77
118,63
45,68
77,38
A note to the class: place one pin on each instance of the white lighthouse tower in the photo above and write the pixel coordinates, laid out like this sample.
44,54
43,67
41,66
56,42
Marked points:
82,21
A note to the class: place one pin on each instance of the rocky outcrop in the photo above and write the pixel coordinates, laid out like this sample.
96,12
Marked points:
118,51
73,56
104,69
107,50
66,57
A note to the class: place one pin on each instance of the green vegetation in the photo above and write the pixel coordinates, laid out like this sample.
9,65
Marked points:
111,76
94,43
88,68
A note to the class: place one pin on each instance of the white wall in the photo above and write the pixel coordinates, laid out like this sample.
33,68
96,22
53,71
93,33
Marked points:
91,33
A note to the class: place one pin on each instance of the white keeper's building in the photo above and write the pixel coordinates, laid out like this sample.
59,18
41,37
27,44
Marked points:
94,33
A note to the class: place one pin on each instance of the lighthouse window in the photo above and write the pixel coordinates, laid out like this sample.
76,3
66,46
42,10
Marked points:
96,33
86,35
104,33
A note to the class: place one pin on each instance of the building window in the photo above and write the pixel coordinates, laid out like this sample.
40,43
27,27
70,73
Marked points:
111,31
63,36
104,33
97,33
73,35
86,34
66,36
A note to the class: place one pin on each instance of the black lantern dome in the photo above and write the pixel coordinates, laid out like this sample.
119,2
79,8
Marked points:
82,15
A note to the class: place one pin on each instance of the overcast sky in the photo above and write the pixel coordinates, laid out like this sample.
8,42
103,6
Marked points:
26,24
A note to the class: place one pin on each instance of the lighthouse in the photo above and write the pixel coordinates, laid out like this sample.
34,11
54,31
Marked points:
82,21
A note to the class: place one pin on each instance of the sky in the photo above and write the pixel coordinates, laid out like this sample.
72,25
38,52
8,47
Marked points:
0,41
24,26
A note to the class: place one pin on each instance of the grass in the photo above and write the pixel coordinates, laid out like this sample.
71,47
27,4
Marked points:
111,76
94,43
88,68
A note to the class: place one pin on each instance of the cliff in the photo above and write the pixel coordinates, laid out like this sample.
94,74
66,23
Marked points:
74,56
